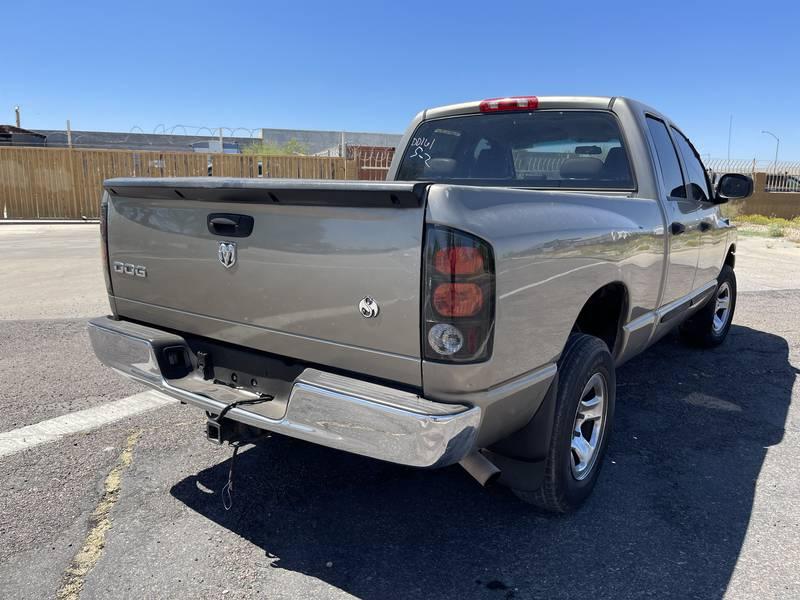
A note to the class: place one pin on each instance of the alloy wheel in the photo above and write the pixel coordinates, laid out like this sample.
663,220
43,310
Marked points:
589,427
722,310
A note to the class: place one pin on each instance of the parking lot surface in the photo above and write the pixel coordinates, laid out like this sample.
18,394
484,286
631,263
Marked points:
697,499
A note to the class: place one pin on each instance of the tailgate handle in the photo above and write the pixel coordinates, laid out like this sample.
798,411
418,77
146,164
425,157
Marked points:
229,225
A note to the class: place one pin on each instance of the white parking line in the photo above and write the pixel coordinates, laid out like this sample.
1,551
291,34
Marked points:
51,430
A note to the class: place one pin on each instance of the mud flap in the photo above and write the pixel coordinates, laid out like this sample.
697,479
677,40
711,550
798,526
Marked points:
522,455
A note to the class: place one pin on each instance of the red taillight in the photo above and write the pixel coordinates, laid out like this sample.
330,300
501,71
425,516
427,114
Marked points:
510,103
458,261
457,299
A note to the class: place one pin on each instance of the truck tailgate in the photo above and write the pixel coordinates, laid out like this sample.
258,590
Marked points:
315,251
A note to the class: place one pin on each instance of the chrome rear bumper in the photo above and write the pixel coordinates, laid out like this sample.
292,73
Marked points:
324,408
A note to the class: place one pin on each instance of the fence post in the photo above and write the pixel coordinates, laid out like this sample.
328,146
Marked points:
76,203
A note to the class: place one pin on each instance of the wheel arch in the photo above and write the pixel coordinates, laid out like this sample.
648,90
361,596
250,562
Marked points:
730,256
520,454
602,315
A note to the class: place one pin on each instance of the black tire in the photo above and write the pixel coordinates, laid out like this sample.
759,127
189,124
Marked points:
701,330
561,491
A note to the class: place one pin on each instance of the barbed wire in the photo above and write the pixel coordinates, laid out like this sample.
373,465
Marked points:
196,129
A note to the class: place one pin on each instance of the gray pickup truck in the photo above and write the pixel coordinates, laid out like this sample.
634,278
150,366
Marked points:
472,309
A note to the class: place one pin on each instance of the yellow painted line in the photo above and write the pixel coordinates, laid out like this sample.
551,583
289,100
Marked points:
87,557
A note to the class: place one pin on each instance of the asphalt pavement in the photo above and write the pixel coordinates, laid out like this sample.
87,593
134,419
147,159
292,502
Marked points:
697,499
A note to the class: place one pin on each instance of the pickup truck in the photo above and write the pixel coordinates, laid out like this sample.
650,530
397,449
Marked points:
471,309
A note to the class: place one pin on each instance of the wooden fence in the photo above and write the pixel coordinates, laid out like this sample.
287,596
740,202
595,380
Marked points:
373,161
63,183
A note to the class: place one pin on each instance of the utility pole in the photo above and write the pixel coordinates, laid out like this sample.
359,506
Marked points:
730,130
777,146
16,111
69,135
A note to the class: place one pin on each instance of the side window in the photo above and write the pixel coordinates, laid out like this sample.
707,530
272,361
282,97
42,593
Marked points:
698,183
667,158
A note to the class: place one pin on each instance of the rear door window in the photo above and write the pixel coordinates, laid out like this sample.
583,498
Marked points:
543,148
667,159
696,173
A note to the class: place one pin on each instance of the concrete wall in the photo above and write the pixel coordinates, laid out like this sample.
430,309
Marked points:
770,204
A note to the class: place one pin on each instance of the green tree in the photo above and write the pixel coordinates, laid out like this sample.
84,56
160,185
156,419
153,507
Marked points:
267,148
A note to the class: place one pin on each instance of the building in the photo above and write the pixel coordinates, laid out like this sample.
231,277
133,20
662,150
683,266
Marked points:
16,136
326,143
213,146
329,143
158,142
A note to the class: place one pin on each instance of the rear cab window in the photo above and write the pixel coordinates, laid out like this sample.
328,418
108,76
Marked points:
574,149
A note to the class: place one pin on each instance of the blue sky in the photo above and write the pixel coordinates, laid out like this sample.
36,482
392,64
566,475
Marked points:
370,66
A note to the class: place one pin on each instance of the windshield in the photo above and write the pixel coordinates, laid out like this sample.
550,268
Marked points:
546,148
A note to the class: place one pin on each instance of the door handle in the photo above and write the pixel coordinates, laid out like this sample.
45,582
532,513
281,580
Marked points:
221,222
229,225
677,228
704,226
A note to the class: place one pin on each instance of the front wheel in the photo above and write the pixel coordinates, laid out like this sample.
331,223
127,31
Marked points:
583,416
710,325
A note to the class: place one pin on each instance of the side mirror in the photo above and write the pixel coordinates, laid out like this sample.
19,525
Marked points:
732,186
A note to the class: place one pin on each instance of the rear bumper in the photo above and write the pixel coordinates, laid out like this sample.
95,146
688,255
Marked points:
324,408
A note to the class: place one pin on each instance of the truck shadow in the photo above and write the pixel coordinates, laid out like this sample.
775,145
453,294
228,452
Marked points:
668,518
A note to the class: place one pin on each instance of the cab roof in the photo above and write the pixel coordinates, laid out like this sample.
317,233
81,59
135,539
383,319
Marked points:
544,102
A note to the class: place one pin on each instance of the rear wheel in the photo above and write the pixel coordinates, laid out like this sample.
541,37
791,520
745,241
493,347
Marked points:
583,415
710,325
